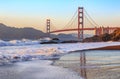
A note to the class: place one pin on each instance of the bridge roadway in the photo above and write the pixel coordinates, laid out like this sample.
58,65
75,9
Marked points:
76,29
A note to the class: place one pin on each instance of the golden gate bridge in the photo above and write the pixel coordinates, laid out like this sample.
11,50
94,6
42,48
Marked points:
80,22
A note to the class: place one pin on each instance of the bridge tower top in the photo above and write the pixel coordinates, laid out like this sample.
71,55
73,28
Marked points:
48,25
80,22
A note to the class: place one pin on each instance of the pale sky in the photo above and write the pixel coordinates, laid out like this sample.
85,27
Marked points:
33,13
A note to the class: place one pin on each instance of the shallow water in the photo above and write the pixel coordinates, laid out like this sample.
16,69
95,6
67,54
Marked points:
39,69
99,64
106,57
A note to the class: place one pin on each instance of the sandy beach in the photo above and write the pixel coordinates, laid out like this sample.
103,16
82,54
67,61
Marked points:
38,69
70,70
117,47
94,71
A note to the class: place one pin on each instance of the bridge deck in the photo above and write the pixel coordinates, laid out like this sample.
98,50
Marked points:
75,29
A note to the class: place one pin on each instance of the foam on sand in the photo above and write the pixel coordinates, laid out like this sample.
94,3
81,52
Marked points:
39,69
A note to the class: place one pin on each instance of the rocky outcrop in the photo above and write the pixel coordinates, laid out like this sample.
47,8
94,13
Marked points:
115,36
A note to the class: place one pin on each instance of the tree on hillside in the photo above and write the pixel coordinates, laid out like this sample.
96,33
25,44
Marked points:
106,37
116,35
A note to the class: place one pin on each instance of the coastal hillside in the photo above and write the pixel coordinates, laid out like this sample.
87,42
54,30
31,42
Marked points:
8,33
115,36
12,33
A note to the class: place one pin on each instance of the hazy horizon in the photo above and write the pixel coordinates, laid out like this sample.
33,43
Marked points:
33,13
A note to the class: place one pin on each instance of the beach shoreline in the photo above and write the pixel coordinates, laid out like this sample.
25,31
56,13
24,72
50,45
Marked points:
116,47
105,72
40,69
94,72
60,49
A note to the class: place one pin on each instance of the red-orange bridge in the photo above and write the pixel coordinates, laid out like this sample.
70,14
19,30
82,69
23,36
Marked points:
81,16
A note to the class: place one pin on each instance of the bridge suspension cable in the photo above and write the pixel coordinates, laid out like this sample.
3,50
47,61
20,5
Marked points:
53,27
71,21
72,24
87,19
79,18
90,18
74,18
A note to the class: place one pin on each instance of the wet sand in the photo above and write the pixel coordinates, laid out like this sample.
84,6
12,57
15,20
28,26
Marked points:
108,48
40,69
105,72
96,71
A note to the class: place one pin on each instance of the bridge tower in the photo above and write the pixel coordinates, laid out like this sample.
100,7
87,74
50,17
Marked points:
80,22
48,26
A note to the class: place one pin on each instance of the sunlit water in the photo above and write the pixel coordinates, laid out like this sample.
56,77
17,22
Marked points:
100,64
96,57
38,69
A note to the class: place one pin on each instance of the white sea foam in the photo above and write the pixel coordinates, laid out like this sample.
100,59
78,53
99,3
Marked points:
29,50
18,51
